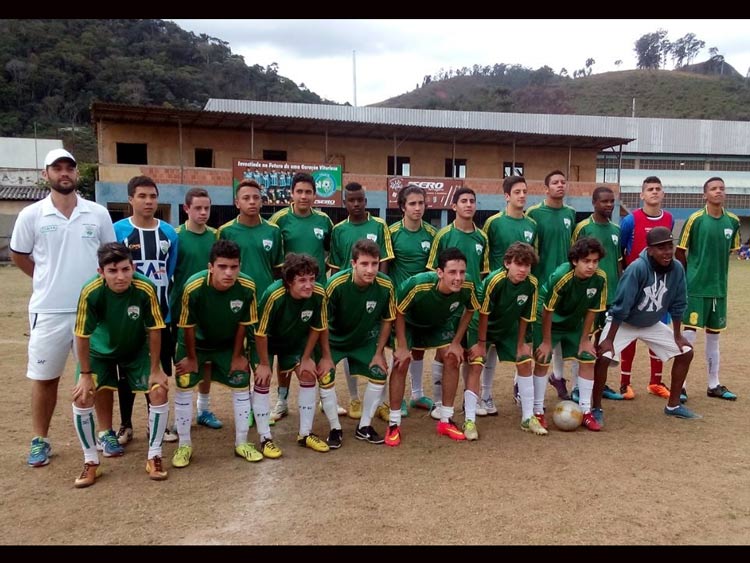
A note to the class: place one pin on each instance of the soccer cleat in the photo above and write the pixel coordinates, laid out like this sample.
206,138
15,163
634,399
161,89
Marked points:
248,451
355,409
124,435
108,444
542,420
560,386
368,434
393,436
404,408
574,395
155,470
182,456
533,425
451,430
611,394
208,418
383,412
170,435
627,392
280,410
481,410
598,415
470,430
436,410
334,438
89,475
269,449
659,389
313,442
40,452
682,412
422,403
489,406
589,421
721,392
683,395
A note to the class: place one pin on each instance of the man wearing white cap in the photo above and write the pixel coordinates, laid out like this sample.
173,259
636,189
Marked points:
54,241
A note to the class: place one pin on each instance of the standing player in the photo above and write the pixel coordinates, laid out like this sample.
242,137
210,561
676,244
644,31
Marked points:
708,238
426,317
54,242
570,299
117,309
633,231
218,305
555,222
153,246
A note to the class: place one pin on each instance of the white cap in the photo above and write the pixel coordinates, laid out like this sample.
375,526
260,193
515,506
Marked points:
56,154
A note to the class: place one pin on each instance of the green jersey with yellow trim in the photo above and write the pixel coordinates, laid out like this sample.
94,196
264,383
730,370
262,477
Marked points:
554,228
193,251
310,234
424,306
287,321
346,233
261,249
505,302
411,249
474,246
502,230
569,298
609,235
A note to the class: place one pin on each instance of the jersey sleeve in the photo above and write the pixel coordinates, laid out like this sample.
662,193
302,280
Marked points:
22,239
152,318
386,245
529,311
86,318
336,254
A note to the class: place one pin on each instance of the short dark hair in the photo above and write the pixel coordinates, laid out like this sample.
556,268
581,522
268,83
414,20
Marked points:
298,265
511,181
404,193
138,181
224,249
448,254
192,193
352,187
650,180
712,179
462,191
248,184
583,247
112,253
522,253
303,177
599,191
365,246
553,173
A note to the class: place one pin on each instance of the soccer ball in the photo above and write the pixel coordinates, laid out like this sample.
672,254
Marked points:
567,415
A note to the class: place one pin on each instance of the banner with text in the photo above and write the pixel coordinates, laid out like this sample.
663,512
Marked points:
275,180
439,191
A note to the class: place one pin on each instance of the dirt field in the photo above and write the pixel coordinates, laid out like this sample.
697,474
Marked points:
645,479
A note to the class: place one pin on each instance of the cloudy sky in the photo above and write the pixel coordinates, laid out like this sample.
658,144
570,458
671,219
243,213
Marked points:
393,56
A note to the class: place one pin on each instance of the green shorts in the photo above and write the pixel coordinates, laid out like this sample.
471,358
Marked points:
504,343
136,371
221,363
569,341
288,360
359,361
418,338
706,312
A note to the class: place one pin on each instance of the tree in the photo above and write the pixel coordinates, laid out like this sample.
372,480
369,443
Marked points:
686,48
618,62
589,63
650,49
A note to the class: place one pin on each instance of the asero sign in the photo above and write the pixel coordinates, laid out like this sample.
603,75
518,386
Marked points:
439,190
275,180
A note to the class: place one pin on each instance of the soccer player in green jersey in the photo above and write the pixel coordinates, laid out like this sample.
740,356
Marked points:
411,238
509,303
426,318
195,241
472,242
117,312
600,226
358,225
293,318
502,230
218,304
572,296
708,238
304,230
361,310
555,222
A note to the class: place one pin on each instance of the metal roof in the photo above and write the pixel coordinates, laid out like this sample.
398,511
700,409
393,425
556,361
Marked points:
23,193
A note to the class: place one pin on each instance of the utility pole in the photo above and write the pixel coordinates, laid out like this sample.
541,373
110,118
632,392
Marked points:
633,113
354,75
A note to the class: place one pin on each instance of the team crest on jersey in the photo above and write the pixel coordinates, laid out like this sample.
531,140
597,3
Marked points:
164,246
370,306
235,305
590,292
567,222
373,237
134,311
479,248
89,231
426,245
728,233
267,244
615,239
306,316
528,235
318,233
521,299
454,306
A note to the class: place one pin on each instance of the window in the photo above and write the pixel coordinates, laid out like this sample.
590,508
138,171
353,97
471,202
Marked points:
457,171
132,153
508,169
204,158
274,155
403,166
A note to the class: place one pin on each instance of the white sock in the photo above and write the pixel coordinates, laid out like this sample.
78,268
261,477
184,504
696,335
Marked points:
262,410
446,413
690,336
540,386
203,403
330,407
351,382
558,365
713,359
437,381
526,391
394,417
373,393
283,394
183,415
83,420
306,405
488,373
241,405
470,405
416,370
574,374
158,415
585,389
